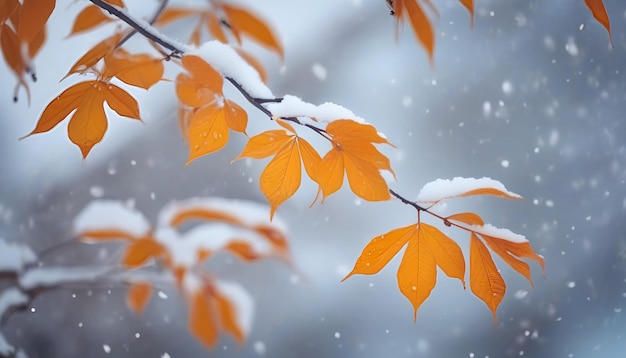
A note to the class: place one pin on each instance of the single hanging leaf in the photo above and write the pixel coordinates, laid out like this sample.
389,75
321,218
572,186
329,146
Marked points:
485,280
599,13
228,317
91,17
421,26
202,320
242,20
138,296
417,273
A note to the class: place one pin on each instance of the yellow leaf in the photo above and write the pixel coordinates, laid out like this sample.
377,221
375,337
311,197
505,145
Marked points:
265,144
228,316
106,235
236,117
172,14
447,253
138,296
468,218
485,280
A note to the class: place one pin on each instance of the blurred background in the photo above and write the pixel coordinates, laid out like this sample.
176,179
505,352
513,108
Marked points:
533,95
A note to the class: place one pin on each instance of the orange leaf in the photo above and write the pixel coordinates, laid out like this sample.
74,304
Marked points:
91,17
242,20
138,296
141,70
485,280
140,251
228,317
599,13
236,117
33,15
265,144
353,151
215,28
106,235
467,218
202,322
7,9
11,50
88,124
35,45
207,132
427,248
519,249
203,74
172,14
378,252
421,26
447,253
95,54
281,178
417,273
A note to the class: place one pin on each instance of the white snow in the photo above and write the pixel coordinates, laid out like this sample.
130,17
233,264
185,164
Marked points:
52,276
184,248
6,349
442,189
319,71
243,302
111,215
14,256
249,213
505,234
224,59
292,106
11,297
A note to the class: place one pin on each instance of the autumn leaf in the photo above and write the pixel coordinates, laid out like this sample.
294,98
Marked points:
282,176
140,251
419,23
88,123
202,321
458,187
89,18
469,5
33,15
94,55
485,280
141,70
427,248
210,116
138,296
244,22
599,13
7,9
353,152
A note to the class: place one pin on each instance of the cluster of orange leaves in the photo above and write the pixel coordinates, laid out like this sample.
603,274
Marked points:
415,12
209,310
428,248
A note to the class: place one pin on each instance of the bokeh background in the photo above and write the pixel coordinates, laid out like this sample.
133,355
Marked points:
532,95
